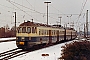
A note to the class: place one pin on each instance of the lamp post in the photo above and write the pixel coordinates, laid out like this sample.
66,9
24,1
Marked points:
47,10
87,22
60,20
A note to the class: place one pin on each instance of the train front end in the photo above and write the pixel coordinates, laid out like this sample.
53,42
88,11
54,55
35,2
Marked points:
26,37
22,39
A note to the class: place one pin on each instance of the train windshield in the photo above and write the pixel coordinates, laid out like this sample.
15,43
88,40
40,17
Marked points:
23,29
27,30
19,30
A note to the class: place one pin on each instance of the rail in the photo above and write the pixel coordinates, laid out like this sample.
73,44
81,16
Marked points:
12,53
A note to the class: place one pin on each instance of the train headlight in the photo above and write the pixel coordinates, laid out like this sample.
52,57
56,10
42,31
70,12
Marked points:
22,38
21,43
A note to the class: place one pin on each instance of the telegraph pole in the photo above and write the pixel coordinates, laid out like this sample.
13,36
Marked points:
47,10
87,22
15,23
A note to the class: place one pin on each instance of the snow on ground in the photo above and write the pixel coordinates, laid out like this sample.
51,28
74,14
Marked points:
1,39
5,46
53,51
54,54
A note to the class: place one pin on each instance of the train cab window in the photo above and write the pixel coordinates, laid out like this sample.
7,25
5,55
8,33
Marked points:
24,30
19,30
28,30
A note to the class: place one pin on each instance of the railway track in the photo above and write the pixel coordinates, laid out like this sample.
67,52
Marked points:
17,52
12,53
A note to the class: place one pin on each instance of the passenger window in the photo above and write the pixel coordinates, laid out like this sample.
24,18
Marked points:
24,30
39,32
42,32
28,30
54,32
47,32
33,30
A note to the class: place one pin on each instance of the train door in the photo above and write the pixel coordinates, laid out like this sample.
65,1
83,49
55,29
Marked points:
57,36
71,35
50,37
65,35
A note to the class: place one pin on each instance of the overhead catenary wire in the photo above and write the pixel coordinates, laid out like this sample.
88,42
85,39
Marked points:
61,13
43,14
64,14
83,6
78,18
29,3
82,10
81,19
33,10
22,10
26,7
7,6
29,9
56,9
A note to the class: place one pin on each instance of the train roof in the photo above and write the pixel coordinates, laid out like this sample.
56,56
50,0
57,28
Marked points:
28,23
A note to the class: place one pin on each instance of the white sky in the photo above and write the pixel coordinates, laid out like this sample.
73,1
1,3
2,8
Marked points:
36,9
